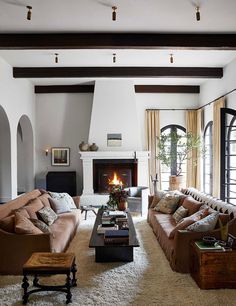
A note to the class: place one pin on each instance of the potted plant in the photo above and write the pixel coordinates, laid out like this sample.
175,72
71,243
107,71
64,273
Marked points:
117,197
174,149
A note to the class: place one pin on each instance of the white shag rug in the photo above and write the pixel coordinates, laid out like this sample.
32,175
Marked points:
148,280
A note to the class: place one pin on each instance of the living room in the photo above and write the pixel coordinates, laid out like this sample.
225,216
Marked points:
84,71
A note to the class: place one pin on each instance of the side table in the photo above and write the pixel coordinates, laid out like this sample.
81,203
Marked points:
41,264
213,269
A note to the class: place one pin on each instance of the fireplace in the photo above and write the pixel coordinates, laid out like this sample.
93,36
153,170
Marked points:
124,171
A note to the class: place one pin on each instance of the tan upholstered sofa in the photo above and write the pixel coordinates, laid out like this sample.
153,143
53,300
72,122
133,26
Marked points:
17,248
177,248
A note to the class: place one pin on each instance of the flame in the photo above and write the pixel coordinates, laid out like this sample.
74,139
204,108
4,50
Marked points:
115,180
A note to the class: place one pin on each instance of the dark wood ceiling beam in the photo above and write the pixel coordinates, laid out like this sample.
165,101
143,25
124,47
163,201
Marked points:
167,89
117,40
117,72
64,89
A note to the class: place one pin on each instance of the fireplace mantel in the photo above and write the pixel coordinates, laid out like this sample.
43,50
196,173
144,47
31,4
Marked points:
88,156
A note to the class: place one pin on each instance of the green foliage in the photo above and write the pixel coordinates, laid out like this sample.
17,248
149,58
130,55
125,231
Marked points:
188,147
117,194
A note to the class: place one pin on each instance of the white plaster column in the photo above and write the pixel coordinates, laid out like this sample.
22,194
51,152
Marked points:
87,176
143,179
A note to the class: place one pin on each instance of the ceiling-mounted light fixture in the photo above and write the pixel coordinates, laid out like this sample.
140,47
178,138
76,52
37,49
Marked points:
56,58
114,58
198,16
114,8
171,58
29,13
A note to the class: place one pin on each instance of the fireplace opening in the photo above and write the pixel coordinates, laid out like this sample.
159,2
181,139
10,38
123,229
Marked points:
122,171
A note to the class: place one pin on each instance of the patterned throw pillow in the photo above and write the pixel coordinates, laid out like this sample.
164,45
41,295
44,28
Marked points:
48,215
65,196
167,204
41,225
180,213
59,205
204,225
157,198
24,226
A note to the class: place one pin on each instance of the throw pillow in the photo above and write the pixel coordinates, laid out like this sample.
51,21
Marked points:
59,205
167,204
8,224
48,215
24,226
204,225
41,225
185,222
157,198
66,196
23,212
180,213
192,205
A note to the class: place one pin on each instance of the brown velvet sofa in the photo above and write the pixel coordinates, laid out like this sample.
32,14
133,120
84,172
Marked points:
17,248
177,249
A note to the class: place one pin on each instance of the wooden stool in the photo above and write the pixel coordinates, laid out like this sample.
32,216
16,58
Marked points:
86,209
41,264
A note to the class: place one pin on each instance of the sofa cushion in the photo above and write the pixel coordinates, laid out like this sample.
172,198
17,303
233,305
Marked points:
204,225
66,196
166,222
41,225
59,205
44,198
180,213
167,204
156,198
23,225
48,215
192,205
33,207
23,212
8,224
185,222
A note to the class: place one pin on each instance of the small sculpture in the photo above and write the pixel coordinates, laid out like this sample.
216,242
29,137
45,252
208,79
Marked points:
154,181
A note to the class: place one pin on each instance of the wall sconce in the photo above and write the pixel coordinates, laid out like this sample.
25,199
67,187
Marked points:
56,58
46,152
171,58
198,16
114,58
29,13
114,8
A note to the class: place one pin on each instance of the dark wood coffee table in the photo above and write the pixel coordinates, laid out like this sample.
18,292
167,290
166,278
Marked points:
107,253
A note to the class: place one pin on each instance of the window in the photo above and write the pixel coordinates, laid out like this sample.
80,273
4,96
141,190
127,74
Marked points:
208,159
231,163
167,171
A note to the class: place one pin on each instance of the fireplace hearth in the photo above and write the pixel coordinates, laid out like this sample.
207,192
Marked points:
105,170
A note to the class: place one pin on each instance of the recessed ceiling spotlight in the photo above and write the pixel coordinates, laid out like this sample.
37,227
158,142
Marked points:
56,58
114,58
198,16
171,58
114,8
29,13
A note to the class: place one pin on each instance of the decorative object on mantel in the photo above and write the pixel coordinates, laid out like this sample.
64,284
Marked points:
93,147
84,146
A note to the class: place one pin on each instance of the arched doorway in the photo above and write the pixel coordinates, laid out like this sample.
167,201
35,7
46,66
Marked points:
5,157
25,156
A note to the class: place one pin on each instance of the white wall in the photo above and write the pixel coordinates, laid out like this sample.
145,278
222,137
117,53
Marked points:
114,111
62,120
167,101
17,98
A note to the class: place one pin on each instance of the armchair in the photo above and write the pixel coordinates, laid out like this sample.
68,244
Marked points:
138,199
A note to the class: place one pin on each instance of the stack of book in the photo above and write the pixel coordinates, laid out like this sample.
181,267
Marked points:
101,229
116,237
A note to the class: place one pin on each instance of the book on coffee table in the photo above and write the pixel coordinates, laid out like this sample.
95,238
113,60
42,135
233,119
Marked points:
102,229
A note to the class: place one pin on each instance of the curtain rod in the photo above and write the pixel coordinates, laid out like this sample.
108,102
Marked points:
181,109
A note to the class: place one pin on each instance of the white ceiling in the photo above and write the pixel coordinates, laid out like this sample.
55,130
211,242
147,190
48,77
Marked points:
217,16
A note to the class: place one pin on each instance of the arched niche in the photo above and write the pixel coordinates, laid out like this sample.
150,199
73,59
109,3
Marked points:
25,156
5,158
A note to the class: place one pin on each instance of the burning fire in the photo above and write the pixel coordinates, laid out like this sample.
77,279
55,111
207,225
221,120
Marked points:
115,180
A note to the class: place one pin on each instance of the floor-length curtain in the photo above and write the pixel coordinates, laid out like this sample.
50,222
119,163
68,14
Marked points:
194,126
200,122
153,131
216,146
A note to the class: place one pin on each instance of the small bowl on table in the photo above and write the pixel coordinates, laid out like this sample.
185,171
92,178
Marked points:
209,240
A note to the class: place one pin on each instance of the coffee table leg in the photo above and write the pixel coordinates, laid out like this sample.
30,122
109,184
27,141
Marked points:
25,286
68,286
74,270
36,280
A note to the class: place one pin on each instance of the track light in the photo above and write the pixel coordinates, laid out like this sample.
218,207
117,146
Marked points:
56,58
171,58
29,13
114,58
198,16
114,8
